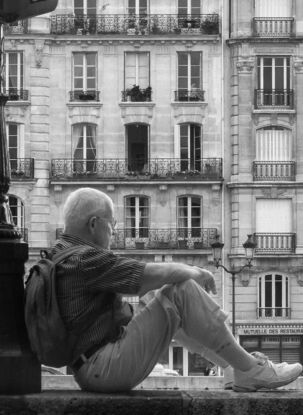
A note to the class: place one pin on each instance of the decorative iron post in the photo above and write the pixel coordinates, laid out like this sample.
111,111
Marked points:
20,371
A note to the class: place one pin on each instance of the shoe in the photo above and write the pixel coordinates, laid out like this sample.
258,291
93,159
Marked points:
265,374
228,378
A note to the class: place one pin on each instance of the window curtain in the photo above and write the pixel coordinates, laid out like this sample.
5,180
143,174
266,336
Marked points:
85,148
273,145
273,8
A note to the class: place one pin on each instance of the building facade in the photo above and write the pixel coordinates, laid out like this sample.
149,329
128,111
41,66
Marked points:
188,114
124,97
265,184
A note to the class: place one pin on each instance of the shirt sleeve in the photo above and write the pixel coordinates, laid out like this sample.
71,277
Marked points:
105,271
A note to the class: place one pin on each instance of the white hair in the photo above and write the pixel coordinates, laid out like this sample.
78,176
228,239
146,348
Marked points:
84,203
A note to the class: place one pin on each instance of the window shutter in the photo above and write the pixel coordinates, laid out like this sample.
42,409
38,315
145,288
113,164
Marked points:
273,215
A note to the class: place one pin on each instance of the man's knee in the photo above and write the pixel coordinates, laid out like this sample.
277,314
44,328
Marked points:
172,291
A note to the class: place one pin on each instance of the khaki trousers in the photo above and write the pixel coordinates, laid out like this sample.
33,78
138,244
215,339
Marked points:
182,311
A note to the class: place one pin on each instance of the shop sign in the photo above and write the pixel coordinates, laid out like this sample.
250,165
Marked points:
266,331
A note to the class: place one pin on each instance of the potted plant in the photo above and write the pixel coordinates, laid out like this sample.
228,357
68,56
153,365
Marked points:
131,29
182,244
139,244
198,245
210,26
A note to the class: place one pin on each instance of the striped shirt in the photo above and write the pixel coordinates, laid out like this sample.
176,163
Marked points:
90,285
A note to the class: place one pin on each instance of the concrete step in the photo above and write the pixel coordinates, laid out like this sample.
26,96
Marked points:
144,402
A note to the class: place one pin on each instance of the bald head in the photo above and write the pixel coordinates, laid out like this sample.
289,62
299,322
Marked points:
81,205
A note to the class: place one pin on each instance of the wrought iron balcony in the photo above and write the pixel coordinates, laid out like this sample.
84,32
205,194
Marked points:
137,94
274,170
22,168
132,24
146,238
15,94
274,312
152,169
189,95
20,26
273,26
274,98
90,95
275,243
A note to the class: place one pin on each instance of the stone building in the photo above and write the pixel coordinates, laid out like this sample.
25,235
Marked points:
125,97
145,100
264,187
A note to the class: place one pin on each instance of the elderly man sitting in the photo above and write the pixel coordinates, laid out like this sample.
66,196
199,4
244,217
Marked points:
117,349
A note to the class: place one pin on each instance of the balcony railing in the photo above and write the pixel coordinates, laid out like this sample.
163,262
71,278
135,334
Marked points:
15,94
152,169
90,95
22,168
273,26
189,95
274,312
275,243
274,170
137,94
274,98
154,24
20,26
145,238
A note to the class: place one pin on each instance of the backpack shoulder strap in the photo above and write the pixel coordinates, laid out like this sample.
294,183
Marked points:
65,253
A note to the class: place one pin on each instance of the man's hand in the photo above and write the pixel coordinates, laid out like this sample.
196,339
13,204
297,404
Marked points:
206,280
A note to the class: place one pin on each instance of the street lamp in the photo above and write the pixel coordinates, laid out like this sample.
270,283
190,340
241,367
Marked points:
249,246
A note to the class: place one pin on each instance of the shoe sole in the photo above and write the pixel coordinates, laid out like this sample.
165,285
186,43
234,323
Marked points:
272,385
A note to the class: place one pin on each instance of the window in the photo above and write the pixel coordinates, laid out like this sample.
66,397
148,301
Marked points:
274,154
274,225
136,69
273,296
84,139
277,348
274,215
190,149
84,7
137,7
189,216
273,8
84,72
189,7
274,81
13,77
15,144
190,76
17,209
137,216
273,144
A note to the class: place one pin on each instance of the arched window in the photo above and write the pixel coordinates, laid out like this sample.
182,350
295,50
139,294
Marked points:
84,140
137,216
189,216
273,296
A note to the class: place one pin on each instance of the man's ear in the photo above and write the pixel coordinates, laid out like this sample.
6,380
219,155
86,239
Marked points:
92,224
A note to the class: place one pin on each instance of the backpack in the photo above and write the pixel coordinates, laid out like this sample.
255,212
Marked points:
48,336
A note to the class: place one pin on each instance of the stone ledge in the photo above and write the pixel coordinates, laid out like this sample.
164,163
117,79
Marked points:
213,402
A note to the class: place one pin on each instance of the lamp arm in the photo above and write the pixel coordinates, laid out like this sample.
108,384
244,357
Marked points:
234,271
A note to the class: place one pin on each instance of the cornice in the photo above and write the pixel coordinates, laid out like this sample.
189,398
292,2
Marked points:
135,41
